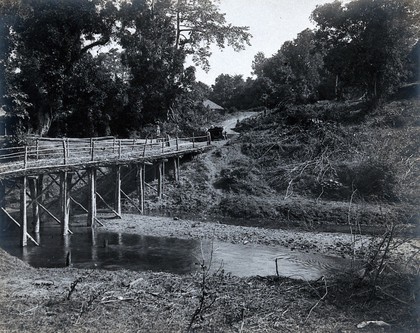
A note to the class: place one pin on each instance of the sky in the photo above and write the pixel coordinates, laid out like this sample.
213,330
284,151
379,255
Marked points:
271,22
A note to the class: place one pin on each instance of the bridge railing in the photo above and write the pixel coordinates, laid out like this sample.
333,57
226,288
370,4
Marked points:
53,152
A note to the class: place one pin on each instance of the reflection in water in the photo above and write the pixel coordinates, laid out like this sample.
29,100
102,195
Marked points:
92,248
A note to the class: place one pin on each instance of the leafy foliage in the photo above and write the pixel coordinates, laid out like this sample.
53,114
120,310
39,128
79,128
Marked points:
368,42
47,39
294,72
57,82
226,90
362,48
200,24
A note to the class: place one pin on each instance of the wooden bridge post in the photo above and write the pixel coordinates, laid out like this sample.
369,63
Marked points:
65,187
64,152
176,166
160,180
140,186
92,149
119,149
23,216
92,197
25,160
37,149
40,190
33,189
117,194
94,239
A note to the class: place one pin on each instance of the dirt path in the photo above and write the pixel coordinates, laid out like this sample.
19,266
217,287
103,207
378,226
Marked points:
230,124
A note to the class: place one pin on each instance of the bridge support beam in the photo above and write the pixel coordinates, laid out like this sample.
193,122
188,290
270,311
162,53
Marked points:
117,194
176,169
40,198
92,198
140,186
33,189
161,173
23,215
65,187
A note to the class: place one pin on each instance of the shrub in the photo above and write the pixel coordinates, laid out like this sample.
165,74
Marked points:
372,179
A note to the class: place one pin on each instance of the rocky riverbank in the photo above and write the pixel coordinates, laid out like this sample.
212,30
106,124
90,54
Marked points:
77,300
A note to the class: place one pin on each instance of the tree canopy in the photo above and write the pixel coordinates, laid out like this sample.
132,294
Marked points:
362,48
368,42
294,72
53,78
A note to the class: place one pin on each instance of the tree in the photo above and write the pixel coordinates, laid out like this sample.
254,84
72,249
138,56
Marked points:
49,38
93,99
414,63
227,89
199,24
157,39
293,74
368,42
45,59
305,62
258,64
157,75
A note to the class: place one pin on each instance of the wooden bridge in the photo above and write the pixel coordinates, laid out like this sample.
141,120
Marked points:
67,163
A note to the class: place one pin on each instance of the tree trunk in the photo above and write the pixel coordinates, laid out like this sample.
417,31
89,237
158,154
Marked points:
44,122
178,26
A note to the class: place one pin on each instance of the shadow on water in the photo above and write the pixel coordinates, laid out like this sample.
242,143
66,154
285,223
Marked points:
108,250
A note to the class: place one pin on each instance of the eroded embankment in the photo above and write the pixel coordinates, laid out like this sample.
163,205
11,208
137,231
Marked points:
311,166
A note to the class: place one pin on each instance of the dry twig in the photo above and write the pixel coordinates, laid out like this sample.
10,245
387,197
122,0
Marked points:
319,301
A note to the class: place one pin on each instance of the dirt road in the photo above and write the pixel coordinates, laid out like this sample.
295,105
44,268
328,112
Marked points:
230,124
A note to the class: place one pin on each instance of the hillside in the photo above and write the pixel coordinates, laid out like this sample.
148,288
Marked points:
313,166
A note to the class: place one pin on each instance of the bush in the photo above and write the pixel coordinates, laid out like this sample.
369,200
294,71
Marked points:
243,206
240,180
372,179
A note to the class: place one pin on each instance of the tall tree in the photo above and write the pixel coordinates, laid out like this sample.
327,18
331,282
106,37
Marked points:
258,64
227,89
368,42
148,38
45,58
48,39
156,40
199,24
305,62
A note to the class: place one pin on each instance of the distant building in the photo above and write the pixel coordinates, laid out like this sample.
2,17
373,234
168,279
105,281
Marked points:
212,106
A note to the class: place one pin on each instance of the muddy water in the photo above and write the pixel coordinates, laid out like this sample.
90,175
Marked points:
106,250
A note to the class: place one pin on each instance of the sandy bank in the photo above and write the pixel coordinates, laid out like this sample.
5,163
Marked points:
315,242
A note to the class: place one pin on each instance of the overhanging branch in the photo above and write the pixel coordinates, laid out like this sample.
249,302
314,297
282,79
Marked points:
102,41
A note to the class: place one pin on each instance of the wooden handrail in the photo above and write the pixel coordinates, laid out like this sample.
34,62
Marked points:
70,152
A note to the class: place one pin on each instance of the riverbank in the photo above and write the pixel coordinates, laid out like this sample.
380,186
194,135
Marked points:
315,242
78,300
